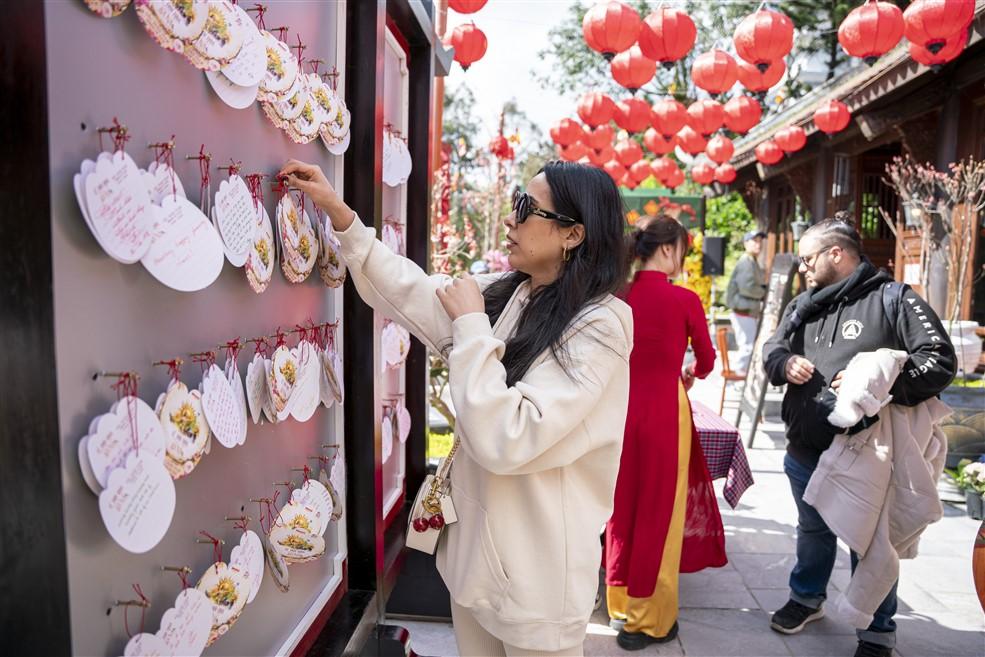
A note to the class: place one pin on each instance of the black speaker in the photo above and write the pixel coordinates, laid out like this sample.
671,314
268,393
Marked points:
713,262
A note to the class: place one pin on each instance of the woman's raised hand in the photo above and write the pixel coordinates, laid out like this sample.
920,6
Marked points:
461,297
310,179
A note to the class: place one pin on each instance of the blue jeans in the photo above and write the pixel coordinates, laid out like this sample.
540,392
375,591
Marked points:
817,548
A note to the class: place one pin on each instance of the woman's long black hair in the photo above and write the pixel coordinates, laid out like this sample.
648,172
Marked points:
596,267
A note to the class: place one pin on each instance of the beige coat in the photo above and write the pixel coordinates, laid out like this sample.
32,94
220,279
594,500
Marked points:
533,483
877,491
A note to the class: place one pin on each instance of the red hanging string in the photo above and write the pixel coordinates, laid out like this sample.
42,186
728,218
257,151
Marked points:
300,48
334,77
174,368
183,576
302,333
307,474
233,348
204,359
164,154
315,63
279,185
143,611
216,546
242,524
126,390
281,31
281,338
204,163
254,182
233,168
260,346
260,11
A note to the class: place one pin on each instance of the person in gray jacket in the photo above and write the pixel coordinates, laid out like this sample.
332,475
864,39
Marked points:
746,289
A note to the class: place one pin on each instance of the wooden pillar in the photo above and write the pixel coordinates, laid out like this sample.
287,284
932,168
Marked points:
365,24
823,174
947,152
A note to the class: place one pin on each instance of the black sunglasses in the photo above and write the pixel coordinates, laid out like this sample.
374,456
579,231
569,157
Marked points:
523,207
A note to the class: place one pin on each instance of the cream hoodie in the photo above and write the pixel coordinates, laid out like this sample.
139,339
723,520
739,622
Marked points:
533,483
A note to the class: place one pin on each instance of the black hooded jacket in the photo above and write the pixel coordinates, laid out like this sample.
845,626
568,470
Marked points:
828,326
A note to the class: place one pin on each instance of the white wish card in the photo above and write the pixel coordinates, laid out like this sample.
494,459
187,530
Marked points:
282,68
337,479
387,433
296,545
281,379
301,516
184,629
186,253
221,39
256,387
307,392
228,591
247,557
108,8
236,384
315,495
173,23
161,181
403,422
260,264
330,265
222,410
113,438
232,94
119,207
249,66
138,503
186,430
236,219
277,566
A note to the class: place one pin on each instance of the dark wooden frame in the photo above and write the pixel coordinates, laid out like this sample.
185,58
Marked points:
34,609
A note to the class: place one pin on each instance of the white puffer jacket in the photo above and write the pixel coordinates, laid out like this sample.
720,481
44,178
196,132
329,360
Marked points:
877,491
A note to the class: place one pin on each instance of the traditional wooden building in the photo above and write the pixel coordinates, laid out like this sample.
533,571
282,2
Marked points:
898,106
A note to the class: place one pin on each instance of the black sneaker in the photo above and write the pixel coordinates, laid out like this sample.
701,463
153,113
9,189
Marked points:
639,640
793,616
867,649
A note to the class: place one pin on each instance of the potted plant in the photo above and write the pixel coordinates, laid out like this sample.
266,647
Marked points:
970,477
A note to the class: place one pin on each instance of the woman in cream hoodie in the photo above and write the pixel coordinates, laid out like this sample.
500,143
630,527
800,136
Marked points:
539,377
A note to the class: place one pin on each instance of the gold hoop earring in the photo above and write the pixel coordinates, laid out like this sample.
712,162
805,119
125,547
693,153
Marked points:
567,254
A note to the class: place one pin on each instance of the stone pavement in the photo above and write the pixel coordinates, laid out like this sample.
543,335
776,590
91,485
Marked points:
725,611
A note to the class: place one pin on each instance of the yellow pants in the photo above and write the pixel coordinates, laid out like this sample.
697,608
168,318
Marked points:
657,614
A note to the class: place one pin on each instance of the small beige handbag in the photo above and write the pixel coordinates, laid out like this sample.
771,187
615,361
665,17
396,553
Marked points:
433,508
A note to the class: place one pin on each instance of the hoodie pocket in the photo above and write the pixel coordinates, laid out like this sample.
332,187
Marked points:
473,571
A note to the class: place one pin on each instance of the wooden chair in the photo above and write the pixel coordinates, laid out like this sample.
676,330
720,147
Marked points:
721,337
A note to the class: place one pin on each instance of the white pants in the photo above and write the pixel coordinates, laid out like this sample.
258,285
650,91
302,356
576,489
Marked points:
744,328
474,641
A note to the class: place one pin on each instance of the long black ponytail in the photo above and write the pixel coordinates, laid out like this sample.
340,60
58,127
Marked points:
596,267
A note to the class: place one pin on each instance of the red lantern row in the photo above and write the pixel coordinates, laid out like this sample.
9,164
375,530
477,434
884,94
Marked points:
667,35
763,37
610,28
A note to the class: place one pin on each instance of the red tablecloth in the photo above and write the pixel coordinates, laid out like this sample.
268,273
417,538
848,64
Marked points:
724,452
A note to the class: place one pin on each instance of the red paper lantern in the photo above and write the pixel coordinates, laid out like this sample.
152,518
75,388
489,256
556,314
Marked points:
689,140
467,6
763,36
725,174
703,173
760,81
657,143
832,116
742,113
706,116
628,152
673,179
632,115
871,30
599,138
952,48
791,139
640,171
596,108
628,182
930,23
662,167
566,132
631,69
720,149
667,35
668,116
469,43
601,156
714,71
610,28
768,152
574,152
615,170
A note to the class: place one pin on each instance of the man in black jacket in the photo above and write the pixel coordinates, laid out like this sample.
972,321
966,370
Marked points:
849,307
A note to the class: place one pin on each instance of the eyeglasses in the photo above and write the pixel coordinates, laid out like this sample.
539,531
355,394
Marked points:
808,261
523,207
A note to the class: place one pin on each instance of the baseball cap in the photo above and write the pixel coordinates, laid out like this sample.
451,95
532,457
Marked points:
753,234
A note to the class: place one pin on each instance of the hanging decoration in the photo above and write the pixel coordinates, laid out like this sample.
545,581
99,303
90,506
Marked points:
725,174
566,132
720,149
674,179
667,35
949,52
657,143
668,116
600,138
703,173
832,116
628,182
760,81
791,139
596,108
601,156
742,113
768,152
470,44
690,141
632,115
662,167
467,6
640,171
632,69
930,23
871,30
574,152
763,36
628,152
615,170
706,116
714,71
610,28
